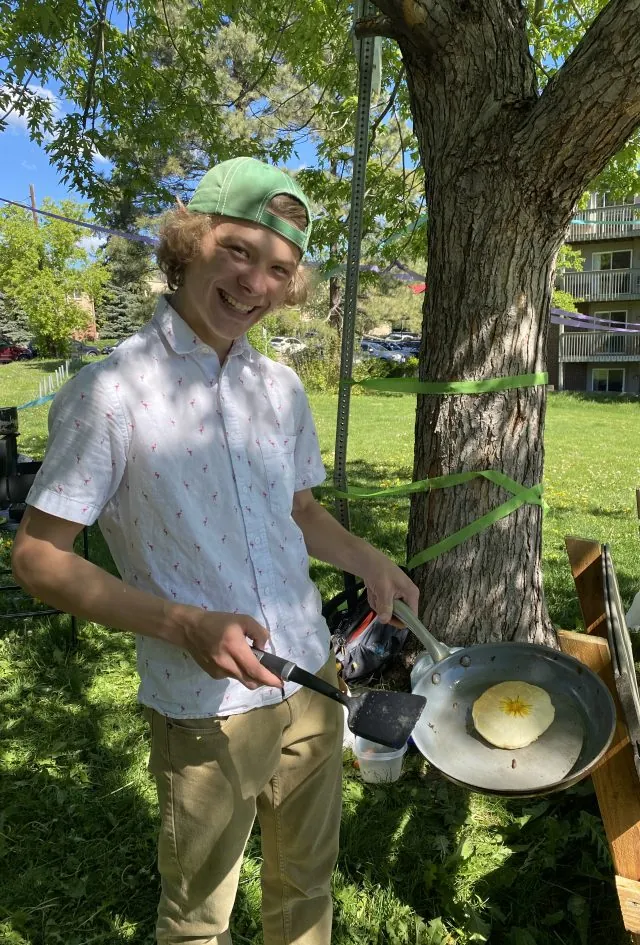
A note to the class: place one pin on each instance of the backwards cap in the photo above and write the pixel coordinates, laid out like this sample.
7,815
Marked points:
243,188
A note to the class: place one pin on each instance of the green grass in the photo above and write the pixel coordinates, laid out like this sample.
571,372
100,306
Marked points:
422,861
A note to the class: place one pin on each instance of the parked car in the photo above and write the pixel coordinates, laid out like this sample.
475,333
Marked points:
402,336
380,349
81,349
12,352
287,345
410,348
109,348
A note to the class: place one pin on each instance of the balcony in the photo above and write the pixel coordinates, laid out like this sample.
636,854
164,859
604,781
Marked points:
603,286
598,346
605,223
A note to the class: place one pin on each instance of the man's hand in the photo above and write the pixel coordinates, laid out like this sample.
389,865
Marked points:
386,582
219,643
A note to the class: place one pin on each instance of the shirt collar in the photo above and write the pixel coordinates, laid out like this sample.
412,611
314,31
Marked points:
183,339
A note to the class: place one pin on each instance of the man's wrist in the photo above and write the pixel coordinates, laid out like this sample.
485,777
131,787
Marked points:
177,620
368,561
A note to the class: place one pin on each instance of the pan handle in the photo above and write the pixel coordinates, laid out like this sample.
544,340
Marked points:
436,650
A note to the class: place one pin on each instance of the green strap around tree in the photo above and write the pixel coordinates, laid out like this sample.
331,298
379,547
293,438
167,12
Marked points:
520,494
411,385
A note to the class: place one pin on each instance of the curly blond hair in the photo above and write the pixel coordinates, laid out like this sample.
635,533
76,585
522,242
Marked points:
182,232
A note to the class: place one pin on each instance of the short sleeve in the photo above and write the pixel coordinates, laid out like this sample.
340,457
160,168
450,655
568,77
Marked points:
86,452
310,469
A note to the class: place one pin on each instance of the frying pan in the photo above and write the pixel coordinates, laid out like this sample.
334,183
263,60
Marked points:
571,747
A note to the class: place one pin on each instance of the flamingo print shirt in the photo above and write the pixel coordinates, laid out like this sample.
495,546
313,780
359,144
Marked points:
190,470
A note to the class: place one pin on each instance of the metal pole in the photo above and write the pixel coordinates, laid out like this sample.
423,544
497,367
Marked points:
358,181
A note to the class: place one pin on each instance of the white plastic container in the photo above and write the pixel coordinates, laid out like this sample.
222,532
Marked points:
377,762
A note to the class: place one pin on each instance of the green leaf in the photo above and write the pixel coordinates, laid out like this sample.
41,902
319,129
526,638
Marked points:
520,936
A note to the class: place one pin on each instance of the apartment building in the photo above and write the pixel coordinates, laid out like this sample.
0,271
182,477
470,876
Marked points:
599,359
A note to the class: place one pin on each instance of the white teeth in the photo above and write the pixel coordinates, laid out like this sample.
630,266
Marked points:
245,309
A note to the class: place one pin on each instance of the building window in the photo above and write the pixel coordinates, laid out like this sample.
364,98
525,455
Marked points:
607,200
617,319
621,259
607,380
615,342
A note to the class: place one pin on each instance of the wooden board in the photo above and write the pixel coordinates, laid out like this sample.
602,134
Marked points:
615,779
586,568
629,896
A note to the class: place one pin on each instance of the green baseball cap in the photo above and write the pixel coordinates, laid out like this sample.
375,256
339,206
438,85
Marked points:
243,188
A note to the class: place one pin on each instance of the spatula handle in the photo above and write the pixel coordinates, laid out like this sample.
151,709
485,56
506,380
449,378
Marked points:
285,669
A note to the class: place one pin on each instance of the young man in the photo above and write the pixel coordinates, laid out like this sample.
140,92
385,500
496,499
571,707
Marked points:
197,456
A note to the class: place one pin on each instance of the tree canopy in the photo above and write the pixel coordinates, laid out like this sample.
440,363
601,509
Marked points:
162,90
45,270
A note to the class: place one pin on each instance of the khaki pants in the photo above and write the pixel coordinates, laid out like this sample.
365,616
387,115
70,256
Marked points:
282,762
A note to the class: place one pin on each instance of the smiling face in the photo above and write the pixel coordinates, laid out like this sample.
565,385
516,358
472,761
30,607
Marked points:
243,272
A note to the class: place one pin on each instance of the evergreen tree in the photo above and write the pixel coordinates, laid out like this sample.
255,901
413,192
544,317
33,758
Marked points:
14,324
127,302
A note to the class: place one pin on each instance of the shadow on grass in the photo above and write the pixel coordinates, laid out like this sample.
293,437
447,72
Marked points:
599,512
509,872
395,838
78,809
557,884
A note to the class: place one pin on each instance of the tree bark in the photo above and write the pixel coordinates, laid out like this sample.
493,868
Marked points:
503,169
335,304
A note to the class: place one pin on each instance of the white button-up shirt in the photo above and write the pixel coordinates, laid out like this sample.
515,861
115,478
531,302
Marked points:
190,470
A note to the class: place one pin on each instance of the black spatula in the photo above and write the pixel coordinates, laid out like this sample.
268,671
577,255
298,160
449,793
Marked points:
379,715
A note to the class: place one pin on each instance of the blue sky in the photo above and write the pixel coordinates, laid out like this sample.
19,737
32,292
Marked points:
22,163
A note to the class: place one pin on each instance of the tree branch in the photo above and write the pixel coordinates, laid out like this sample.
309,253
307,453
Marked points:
388,107
376,26
581,19
100,27
17,99
590,107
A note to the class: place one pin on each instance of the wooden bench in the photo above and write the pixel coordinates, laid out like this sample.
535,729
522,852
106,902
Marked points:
615,779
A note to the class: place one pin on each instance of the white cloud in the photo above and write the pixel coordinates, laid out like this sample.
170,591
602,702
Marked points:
28,167
18,123
99,158
91,243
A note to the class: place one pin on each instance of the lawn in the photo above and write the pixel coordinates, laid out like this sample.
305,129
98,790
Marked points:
422,862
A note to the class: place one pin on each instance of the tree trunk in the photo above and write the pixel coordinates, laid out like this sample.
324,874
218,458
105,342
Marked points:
504,167
335,303
485,317
491,251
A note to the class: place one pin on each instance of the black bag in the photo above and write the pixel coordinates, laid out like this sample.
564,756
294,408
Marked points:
363,645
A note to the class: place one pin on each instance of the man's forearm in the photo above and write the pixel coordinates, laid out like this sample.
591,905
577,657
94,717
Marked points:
327,540
74,585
